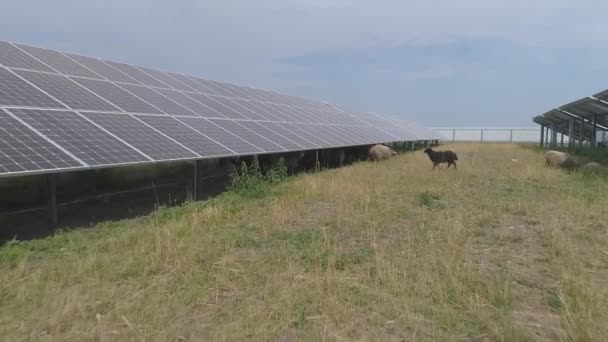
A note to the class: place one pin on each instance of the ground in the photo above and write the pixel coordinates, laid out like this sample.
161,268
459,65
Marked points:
501,249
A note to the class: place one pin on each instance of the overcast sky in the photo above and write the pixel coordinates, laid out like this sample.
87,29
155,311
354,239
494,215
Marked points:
441,62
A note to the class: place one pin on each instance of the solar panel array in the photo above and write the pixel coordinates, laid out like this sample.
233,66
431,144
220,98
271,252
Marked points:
581,113
60,111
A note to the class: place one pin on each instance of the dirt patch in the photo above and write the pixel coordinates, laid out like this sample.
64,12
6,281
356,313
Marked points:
520,248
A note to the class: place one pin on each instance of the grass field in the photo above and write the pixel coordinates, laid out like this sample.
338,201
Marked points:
499,250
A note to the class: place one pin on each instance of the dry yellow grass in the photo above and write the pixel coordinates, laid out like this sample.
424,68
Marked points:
391,251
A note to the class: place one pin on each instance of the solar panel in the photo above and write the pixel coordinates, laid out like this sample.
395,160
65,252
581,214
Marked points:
142,137
271,135
16,92
137,74
117,96
313,138
248,135
80,137
11,56
159,101
210,102
200,86
215,87
58,61
254,106
102,69
235,107
66,91
190,103
166,79
23,150
221,135
101,112
185,135
291,135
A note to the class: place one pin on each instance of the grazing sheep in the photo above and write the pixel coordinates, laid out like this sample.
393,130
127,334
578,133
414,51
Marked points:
438,157
380,152
560,159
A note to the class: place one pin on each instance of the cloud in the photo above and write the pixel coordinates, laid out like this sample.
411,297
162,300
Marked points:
355,51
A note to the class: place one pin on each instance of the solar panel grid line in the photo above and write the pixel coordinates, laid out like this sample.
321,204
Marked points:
137,74
275,137
337,132
16,91
285,132
84,139
274,111
239,91
112,134
211,102
161,102
309,128
59,62
362,120
264,112
12,56
164,78
281,148
24,151
183,131
213,86
139,135
260,142
221,135
303,115
103,69
47,139
315,139
232,103
165,135
70,93
117,96
192,104
187,81
51,69
201,87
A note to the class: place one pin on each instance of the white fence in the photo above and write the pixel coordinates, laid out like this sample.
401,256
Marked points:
490,134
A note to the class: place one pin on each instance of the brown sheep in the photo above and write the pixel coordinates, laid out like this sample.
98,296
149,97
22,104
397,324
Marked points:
438,157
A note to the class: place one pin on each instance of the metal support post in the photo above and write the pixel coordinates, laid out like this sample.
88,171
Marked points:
570,133
561,143
195,181
542,135
481,137
553,139
51,188
511,136
454,135
581,133
594,138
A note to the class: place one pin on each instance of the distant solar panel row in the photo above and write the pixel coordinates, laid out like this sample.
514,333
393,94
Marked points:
61,111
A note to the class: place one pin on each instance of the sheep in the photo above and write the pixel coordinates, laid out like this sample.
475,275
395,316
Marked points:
438,157
380,152
560,159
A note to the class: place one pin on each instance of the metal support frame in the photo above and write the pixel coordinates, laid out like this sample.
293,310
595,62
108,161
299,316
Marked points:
582,133
553,140
542,135
561,143
481,136
511,136
594,137
51,190
570,133
195,181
